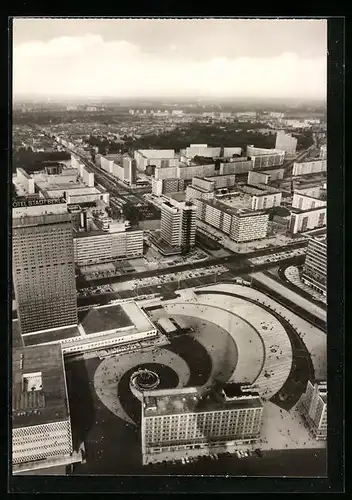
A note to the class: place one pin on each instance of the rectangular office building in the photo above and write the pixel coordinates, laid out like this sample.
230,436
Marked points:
43,271
175,420
178,224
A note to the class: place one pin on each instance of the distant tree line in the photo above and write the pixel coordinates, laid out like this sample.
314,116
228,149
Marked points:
234,134
304,139
31,161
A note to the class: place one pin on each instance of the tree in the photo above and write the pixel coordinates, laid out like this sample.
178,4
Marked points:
132,214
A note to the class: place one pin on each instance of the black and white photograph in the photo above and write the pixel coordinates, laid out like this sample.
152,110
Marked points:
169,247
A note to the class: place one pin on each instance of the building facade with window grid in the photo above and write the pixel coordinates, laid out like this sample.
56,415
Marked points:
313,407
43,271
41,425
314,269
184,419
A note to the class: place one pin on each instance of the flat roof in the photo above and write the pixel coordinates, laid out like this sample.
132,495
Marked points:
104,319
115,317
259,189
50,336
272,167
85,234
244,210
49,404
179,196
40,220
166,324
296,210
192,400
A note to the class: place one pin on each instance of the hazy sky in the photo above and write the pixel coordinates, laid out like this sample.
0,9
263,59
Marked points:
142,58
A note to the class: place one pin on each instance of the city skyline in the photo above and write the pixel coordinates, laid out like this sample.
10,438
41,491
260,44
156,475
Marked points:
164,57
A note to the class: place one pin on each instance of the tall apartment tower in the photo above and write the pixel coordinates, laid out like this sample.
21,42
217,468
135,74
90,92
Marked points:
315,265
129,170
313,406
178,224
43,266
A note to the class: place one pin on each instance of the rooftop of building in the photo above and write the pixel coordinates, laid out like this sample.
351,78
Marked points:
115,317
235,159
241,208
55,335
270,169
295,210
164,247
179,196
97,320
102,319
166,324
321,238
316,192
68,179
193,400
311,160
100,232
38,386
40,220
161,154
262,151
259,189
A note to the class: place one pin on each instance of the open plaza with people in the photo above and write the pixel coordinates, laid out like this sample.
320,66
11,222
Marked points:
235,333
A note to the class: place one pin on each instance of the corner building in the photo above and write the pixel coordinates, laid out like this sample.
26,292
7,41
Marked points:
41,424
313,407
43,271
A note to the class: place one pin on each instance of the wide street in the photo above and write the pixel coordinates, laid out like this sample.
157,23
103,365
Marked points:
168,288
234,262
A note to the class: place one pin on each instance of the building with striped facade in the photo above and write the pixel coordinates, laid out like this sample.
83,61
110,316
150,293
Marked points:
175,420
41,424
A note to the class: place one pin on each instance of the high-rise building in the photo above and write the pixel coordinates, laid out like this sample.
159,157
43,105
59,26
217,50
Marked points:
43,266
178,224
314,269
130,170
175,420
313,406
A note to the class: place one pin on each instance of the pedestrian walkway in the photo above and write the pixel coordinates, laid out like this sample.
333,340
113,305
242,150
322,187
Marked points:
249,345
294,297
313,338
285,430
277,360
220,346
110,371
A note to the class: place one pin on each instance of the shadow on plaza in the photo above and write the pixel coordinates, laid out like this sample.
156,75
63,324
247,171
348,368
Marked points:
112,444
80,401
168,380
196,357
302,368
